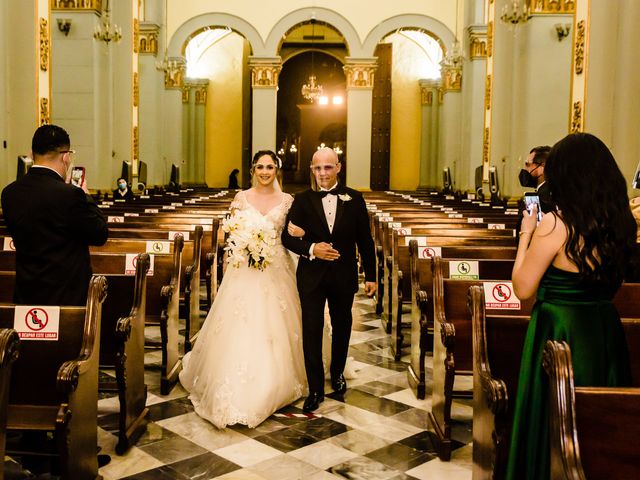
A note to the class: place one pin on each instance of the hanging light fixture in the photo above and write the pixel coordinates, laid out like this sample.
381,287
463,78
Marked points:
106,32
312,90
515,13
454,58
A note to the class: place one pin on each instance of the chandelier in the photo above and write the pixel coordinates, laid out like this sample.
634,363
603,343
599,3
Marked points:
453,58
312,90
516,13
106,32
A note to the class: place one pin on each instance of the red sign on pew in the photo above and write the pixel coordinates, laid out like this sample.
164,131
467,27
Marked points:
500,295
36,322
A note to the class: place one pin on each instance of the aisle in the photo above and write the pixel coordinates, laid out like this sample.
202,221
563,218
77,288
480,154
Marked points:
378,431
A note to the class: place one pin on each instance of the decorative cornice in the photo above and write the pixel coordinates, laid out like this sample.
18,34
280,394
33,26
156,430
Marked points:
428,88
552,7
360,75
265,75
45,45
148,38
77,5
477,41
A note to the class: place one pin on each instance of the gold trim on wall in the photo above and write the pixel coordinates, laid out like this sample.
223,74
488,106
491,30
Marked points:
136,143
487,92
360,75
552,7
136,34
45,45
579,48
490,39
426,95
265,75
174,77
80,5
576,117
148,39
45,114
451,79
136,89
201,94
185,94
485,145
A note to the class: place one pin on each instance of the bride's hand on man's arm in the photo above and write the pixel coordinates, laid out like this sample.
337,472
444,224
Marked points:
295,231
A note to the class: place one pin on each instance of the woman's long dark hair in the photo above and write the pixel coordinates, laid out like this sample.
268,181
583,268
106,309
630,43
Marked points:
591,195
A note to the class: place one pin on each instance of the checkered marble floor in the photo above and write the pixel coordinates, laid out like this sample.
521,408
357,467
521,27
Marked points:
378,430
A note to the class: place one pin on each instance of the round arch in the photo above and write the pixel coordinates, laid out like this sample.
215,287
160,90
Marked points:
195,24
301,51
436,27
340,23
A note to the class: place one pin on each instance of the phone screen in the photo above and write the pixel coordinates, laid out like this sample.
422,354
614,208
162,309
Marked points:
530,201
77,176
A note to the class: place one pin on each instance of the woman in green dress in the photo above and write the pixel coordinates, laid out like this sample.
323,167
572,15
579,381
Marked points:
574,260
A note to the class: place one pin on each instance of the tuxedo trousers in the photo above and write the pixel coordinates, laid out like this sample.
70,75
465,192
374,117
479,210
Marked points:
313,307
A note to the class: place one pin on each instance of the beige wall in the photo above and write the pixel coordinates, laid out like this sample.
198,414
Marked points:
406,113
222,65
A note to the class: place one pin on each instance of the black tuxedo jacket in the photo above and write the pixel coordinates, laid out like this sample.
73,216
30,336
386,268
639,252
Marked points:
117,195
52,224
351,229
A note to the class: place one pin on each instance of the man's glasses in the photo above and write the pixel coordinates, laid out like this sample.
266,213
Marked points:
70,152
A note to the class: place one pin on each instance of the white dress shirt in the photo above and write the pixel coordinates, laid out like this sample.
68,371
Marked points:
330,206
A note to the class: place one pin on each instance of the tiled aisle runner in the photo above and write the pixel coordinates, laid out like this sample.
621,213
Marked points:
378,431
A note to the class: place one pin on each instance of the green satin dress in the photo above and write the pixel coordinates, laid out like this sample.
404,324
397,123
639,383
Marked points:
583,316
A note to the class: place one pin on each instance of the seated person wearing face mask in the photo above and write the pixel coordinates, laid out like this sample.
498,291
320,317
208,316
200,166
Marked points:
532,175
122,192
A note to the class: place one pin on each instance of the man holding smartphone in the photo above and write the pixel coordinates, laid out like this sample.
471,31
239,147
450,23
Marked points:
52,224
532,175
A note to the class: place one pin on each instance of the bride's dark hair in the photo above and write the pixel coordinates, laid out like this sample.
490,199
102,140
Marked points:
590,193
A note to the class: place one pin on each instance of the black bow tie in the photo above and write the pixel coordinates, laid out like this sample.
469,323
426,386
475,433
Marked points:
324,193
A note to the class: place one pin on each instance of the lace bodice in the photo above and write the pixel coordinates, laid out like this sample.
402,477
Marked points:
277,214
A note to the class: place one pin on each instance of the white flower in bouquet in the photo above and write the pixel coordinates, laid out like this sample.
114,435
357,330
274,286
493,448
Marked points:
251,240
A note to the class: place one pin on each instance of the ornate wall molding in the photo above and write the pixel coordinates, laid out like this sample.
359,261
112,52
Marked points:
552,7
148,38
136,35
452,79
428,88
264,74
198,88
579,48
360,75
490,39
487,92
201,95
45,113
174,77
477,41
486,141
136,143
78,5
136,89
576,117
45,45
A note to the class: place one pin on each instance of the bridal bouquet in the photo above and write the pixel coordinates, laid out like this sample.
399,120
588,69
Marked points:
252,239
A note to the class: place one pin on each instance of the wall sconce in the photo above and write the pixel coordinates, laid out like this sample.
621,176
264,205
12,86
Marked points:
64,25
562,30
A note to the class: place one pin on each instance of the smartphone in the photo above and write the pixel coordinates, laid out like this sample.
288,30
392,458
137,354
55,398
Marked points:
531,199
77,176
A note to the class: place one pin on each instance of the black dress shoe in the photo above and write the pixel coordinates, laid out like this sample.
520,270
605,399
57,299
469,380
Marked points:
103,460
312,402
339,385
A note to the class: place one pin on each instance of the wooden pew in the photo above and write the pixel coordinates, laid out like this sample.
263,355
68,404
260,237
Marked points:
61,394
9,345
497,348
593,430
452,348
495,263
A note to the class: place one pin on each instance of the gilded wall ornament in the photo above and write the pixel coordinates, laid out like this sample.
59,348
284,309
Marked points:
136,34
136,89
45,114
552,7
490,39
485,145
185,94
426,95
452,79
135,143
579,48
487,92
478,47
148,39
265,75
77,5
201,94
576,118
44,45
174,77
360,75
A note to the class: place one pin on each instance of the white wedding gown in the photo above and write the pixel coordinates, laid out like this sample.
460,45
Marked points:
248,362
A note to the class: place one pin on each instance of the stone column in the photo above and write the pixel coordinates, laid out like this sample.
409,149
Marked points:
360,75
194,101
26,78
429,131
264,82
450,128
171,126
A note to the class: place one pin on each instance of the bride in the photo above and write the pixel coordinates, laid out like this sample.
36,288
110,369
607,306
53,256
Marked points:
248,362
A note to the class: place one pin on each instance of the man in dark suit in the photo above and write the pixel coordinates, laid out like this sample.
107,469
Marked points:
52,224
532,175
334,219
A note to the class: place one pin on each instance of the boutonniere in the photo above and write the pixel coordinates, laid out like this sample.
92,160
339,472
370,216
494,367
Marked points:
345,197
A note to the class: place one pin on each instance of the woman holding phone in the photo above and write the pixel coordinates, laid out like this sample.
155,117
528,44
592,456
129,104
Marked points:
574,260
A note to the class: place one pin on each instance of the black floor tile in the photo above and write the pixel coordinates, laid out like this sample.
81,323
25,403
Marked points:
205,466
366,401
286,440
172,408
399,456
379,389
320,428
